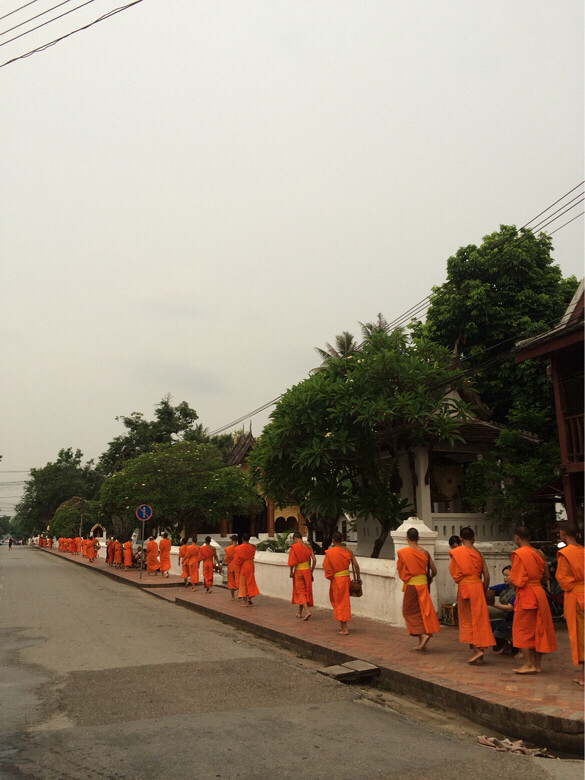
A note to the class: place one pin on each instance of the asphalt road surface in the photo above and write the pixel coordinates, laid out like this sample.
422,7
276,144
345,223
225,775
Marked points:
101,680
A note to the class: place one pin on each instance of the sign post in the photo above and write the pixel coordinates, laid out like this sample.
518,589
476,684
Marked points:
143,513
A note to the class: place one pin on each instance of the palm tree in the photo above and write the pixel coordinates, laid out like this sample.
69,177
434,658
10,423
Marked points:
345,346
379,326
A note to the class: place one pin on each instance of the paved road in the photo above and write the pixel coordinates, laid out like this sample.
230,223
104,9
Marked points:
100,680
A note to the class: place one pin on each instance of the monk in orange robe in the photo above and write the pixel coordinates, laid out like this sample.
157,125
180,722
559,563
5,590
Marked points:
71,545
230,564
127,555
84,547
532,629
336,567
110,551
570,567
301,573
151,556
467,567
164,551
207,555
414,565
117,553
93,548
184,561
50,542
244,560
193,558
78,541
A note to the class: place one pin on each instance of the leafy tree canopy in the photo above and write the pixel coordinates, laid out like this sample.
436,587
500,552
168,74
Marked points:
505,290
171,424
334,439
75,516
49,486
184,483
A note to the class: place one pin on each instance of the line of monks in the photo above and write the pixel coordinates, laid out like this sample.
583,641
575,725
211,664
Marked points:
532,627
87,546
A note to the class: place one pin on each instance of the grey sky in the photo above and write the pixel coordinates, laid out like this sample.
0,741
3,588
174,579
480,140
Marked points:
198,193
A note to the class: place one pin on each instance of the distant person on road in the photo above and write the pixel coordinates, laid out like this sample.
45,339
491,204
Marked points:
336,567
302,562
164,551
207,555
532,630
467,567
151,556
414,566
569,575
193,558
184,561
127,555
229,553
10,543
244,560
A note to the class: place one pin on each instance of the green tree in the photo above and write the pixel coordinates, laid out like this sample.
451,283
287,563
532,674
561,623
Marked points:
75,516
497,294
199,434
171,424
49,486
345,346
184,483
4,525
334,439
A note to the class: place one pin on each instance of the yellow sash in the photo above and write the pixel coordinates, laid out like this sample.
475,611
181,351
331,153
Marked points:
470,578
302,566
578,587
418,579
344,573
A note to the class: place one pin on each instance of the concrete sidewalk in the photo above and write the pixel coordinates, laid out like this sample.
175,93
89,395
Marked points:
545,709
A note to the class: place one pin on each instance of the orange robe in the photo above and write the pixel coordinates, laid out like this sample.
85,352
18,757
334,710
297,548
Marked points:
206,554
118,552
128,554
91,550
570,566
474,624
230,563
84,543
336,568
417,608
193,559
71,545
184,561
164,550
299,555
78,541
532,627
244,560
151,556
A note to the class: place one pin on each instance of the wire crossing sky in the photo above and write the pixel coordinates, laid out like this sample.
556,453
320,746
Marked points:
197,194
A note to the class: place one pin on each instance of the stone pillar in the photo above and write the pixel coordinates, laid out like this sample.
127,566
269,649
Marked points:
426,540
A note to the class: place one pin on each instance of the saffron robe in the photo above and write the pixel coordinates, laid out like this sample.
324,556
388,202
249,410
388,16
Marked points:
302,591
117,553
78,541
151,555
229,562
71,545
336,568
474,624
206,553
193,560
532,627
184,561
164,551
417,608
570,566
244,560
127,554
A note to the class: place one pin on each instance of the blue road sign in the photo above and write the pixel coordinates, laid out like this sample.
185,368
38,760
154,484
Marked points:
144,512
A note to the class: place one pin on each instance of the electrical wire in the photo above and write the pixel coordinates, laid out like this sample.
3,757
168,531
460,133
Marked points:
46,46
32,18
16,10
49,21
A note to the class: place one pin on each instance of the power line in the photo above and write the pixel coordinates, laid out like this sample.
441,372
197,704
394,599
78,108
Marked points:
46,46
32,18
44,24
567,223
16,10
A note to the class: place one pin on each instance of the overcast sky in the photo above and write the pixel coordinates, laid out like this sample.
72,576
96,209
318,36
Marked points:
196,194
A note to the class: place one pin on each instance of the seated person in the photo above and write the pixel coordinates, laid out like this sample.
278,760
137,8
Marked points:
503,628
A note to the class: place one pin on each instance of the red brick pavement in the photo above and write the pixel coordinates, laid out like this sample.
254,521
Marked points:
547,708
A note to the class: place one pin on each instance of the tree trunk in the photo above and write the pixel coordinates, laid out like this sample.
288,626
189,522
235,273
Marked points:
379,543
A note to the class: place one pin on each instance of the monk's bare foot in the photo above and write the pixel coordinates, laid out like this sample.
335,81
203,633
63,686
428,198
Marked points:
424,640
299,615
579,681
209,591
525,669
476,658
343,633
307,616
